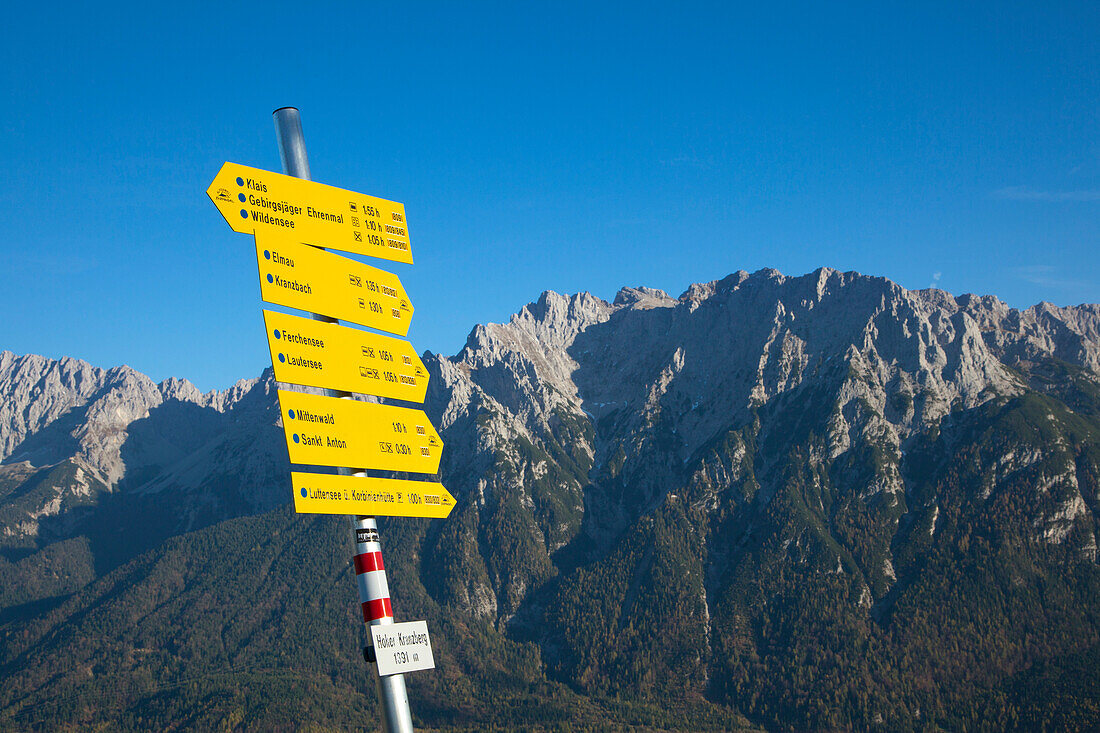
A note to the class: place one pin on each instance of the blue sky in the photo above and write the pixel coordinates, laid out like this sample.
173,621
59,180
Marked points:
563,146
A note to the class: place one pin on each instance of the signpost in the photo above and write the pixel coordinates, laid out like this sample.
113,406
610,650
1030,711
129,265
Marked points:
287,214
318,354
254,200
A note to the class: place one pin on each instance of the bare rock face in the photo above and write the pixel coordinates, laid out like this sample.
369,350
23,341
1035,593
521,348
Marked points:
579,418
36,391
70,432
896,360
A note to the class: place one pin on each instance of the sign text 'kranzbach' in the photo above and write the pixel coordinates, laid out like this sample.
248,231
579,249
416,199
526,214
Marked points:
310,279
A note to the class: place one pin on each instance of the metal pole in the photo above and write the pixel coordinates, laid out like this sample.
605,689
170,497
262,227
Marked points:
370,574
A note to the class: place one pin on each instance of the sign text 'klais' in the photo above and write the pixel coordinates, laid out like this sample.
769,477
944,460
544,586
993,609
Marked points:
254,200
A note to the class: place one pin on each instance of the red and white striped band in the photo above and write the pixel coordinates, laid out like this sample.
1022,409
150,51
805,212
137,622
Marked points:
374,591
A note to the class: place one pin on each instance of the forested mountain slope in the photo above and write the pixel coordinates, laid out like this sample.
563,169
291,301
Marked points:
817,502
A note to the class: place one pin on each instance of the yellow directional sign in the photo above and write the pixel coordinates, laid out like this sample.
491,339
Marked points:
319,354
317,493
254,200
329,431
303,277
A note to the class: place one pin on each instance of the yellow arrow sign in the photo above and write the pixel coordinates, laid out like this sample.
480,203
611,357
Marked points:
318,354
329,431
254,200
317,493
303,277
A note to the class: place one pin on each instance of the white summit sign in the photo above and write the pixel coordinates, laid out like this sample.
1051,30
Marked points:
403,647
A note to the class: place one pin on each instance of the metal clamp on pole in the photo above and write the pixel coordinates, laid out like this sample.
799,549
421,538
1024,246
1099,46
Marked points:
374,592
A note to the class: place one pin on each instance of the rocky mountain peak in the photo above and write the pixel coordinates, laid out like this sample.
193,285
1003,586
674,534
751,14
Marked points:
643,297
111,425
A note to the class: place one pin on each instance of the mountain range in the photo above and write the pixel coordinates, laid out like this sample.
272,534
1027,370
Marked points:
815,502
